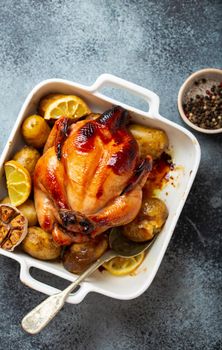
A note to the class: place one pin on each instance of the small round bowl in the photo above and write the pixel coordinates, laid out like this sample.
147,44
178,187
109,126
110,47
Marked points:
212,74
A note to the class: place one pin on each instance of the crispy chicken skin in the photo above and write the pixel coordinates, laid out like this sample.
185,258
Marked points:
89,178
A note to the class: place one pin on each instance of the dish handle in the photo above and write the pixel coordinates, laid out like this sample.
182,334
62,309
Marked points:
150,97
28,280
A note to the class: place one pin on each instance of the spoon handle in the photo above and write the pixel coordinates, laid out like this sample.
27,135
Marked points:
42,314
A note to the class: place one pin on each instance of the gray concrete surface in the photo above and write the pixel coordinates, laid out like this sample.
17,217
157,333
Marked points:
156,44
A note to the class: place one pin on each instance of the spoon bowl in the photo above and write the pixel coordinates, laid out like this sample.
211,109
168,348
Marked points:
125,248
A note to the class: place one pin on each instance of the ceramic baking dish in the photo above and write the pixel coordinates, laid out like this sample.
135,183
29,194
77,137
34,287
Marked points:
186,155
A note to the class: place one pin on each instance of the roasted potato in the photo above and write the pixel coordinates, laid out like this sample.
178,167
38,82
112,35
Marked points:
35,131
39,244
27,209
28,157
79,256
151,141
149,221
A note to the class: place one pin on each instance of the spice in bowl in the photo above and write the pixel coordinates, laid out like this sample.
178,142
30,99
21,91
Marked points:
203,105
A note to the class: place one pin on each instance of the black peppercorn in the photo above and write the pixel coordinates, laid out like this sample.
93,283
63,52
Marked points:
205,110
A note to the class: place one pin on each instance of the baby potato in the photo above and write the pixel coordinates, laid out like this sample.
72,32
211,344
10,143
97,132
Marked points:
39,244
27,209
35,131
28,157
149,221
151,141
79,256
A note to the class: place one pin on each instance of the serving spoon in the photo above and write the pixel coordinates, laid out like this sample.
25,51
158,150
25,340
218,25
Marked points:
42,314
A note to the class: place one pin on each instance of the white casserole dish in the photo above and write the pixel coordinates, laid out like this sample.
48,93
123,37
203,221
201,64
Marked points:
186,155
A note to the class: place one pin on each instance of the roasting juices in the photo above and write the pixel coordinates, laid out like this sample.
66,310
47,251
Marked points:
159,175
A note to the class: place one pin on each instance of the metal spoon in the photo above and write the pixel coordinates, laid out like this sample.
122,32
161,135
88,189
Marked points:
42,314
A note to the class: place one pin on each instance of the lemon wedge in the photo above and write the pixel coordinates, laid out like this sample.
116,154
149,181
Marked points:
55,106
18,182
123,266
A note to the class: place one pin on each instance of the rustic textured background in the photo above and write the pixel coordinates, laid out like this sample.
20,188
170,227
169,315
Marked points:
156,44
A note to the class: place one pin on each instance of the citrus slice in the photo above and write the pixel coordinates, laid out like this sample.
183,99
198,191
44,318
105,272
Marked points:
18,182
123,266
54,106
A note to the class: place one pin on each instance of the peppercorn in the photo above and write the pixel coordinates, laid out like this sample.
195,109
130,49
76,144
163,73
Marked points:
205,110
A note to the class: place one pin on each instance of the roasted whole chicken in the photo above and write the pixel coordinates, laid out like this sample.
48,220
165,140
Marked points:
90,177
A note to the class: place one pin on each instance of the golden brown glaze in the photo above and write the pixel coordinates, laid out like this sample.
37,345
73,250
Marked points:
89,178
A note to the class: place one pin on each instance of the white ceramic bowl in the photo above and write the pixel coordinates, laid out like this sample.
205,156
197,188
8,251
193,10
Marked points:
207,73
186,155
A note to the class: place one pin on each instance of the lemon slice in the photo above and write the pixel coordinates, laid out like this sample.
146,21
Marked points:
18,182
54,106
123,266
